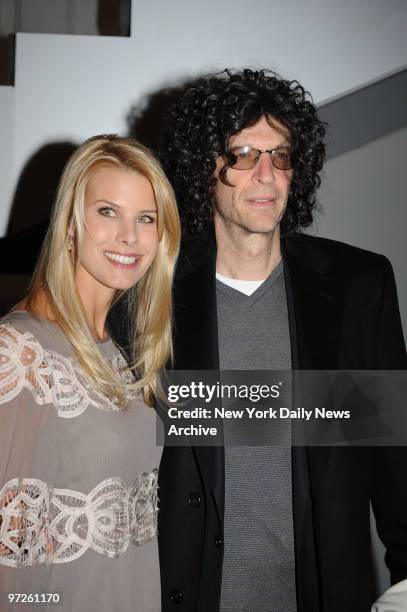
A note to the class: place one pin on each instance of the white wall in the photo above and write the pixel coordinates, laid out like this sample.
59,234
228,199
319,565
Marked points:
68,88
7,140
332,47
364,200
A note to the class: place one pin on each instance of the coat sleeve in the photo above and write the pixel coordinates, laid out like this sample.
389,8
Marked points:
390,346
389,469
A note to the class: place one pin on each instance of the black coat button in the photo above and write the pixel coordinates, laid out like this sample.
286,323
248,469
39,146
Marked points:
218,541
176,596
194,500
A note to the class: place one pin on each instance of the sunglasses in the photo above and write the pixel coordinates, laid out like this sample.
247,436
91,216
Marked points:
246,157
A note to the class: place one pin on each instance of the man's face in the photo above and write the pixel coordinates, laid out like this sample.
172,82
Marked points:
256,200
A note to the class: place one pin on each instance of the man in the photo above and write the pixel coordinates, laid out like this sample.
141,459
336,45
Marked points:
272,528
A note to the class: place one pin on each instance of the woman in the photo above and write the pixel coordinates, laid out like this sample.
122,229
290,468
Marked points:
78,458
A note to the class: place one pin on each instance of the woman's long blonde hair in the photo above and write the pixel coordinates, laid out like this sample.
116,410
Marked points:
149,301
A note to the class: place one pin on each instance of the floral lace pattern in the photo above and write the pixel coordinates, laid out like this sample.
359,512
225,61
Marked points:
51,377
42,524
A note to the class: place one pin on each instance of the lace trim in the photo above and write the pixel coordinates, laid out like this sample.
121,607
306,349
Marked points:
51,377
41,524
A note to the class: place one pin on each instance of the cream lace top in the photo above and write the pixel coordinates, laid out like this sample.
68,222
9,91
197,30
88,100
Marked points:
78,477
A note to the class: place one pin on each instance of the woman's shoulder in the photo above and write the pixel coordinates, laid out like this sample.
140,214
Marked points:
23,326
36,356
24,321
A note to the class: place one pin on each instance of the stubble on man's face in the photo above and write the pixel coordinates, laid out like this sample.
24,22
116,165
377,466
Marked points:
256,200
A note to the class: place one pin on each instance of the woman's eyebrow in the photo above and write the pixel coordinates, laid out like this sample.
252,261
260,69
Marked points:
146,210
102,200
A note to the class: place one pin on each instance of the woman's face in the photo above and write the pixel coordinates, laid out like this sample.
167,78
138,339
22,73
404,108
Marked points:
120,237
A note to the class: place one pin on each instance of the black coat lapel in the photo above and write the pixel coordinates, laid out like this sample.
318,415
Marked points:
196,331
316,305
196,346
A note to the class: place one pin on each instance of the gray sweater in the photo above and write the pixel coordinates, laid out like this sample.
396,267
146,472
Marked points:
258,567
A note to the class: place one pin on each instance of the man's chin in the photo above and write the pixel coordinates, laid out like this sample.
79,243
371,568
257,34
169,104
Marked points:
247,225
265,229
261,223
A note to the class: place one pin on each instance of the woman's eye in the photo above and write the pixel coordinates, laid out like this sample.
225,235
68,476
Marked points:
106,211
145,219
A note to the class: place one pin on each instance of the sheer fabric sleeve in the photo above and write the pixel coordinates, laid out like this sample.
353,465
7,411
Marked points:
24,410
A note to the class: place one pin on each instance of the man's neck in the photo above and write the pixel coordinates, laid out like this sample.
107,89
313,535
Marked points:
247,256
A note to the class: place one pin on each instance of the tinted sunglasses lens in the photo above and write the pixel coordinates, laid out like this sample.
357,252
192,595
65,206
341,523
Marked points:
282,159
246,158
243,159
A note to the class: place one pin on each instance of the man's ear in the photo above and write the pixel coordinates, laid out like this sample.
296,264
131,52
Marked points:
218,167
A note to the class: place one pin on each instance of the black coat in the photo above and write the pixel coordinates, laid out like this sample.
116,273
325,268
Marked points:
343,314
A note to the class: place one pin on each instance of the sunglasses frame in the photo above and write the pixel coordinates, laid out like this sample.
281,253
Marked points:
229,155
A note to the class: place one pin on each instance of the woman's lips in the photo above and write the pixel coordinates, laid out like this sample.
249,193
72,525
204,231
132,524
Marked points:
126,261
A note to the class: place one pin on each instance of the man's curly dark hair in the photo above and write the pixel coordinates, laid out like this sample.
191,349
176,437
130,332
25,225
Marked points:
215,108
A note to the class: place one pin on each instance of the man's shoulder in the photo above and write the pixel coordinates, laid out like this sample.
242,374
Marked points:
194,250
322,254
325,251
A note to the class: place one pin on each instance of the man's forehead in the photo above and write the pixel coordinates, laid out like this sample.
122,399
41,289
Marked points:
267,127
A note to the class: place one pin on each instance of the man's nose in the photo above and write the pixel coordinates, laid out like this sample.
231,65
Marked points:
264,169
